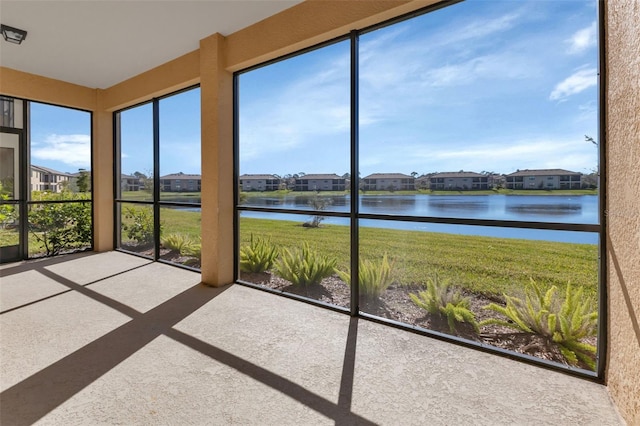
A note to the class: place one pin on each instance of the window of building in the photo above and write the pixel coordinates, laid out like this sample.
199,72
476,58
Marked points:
429,95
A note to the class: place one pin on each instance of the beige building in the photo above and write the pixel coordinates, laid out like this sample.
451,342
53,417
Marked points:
259,182
181,182
388,182
458,181
321,182
543,179
210,61
45,179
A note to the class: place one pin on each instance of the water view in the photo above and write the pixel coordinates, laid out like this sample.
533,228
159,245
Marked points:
581,209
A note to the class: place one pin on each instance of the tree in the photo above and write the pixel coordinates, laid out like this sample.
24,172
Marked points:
414,174
83,181
317,203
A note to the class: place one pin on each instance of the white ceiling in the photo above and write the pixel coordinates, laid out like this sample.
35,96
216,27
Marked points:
98,43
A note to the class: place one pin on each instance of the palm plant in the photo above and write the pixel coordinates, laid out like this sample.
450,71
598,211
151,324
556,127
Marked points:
563,321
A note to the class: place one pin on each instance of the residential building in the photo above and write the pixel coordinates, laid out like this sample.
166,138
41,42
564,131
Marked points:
181,182
458,181
45,179
321,182
259,182
130,183
544,179
388,182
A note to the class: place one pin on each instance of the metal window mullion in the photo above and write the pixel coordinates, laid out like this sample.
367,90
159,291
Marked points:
355,194
601,358
117,166
25,178
236,177
156,179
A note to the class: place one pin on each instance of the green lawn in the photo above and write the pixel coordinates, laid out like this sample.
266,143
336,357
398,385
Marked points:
486,265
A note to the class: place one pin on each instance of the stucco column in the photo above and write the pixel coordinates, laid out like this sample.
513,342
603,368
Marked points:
623,204
102,172
216,89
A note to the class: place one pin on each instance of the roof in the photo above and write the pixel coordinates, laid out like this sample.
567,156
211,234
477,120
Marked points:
259,177
177,176
543,172
388,176
461,174
320,176
50,171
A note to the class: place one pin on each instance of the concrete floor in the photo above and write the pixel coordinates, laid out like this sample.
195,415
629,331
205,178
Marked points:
110,338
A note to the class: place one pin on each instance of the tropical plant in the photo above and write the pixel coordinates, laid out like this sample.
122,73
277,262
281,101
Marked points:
564,321
304,266
138,224
442,300
179,242
258,256
373,278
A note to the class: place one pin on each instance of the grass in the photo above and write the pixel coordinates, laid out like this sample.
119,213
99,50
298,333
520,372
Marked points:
485,265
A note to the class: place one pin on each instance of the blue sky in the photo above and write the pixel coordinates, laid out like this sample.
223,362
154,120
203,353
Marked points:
482,85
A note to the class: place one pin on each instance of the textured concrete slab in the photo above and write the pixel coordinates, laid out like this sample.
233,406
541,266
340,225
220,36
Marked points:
150,345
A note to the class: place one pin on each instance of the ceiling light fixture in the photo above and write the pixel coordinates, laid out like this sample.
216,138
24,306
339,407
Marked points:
13,35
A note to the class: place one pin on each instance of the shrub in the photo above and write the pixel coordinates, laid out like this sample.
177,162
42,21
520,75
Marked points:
60,226
441,300
317,203
303,266
562,321
258,256
138,224
373,278
179,242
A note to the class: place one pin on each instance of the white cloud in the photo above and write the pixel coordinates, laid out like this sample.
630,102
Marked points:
575,83
500,155
582,39
73,150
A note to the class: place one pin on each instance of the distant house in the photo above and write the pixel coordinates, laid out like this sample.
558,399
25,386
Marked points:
544,179
321,182
181,182
45,179
458,181
259,183
130,183
388,182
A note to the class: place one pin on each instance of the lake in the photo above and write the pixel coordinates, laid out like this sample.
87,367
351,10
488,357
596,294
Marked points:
582,209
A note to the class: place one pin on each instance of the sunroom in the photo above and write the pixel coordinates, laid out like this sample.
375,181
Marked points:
145,115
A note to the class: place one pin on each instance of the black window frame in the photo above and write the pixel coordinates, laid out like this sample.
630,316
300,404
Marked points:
514,182
156,203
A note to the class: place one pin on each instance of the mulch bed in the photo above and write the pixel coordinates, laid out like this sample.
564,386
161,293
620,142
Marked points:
395,304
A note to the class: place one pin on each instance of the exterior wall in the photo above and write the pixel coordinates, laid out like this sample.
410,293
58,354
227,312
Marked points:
320,184
623,201
545,182
464,183
386,184
260,184
51,182
178,185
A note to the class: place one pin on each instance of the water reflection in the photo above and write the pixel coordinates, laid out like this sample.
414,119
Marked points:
539,208
454,204
545,209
